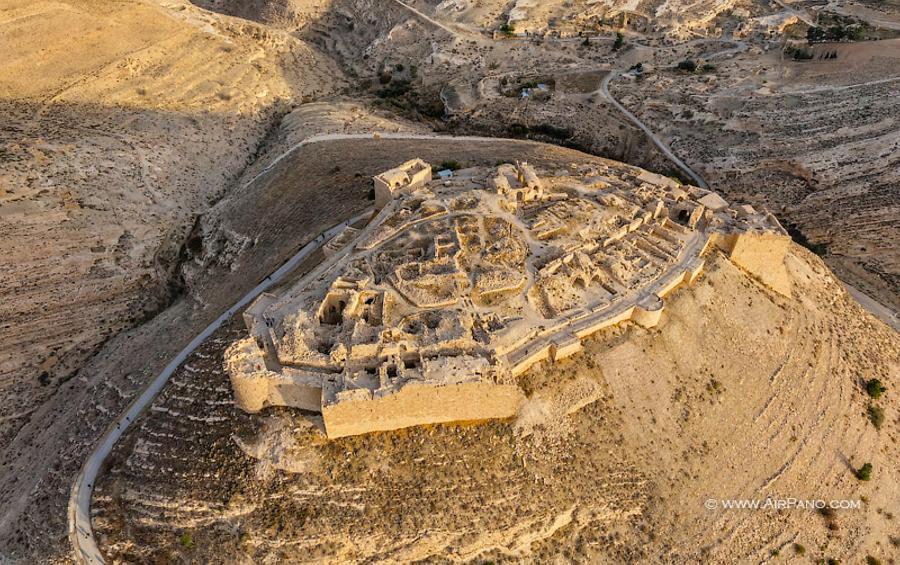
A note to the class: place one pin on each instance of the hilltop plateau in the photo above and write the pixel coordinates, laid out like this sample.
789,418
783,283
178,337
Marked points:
160,159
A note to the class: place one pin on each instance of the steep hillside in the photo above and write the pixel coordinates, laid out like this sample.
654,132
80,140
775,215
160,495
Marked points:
122,123
817,141
740,394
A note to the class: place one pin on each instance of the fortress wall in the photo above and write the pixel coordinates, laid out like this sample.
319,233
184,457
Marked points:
562,348
246,366
589,330
255,387
673,283
296,390
417,404
536,353
251,390
761,255
649,315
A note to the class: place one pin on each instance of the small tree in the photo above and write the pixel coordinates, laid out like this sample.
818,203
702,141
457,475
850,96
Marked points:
835,33
508,28
799,549
619,42
688,65
875,388
864,473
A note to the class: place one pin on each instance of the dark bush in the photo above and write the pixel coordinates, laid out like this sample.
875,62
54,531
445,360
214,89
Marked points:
875,388
864,473
876,416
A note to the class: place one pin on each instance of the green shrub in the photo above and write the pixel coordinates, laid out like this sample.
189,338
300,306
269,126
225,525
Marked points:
875,388
872,561
815,33
876,416
552,131
799,549
450,164
864,473
187,540
688,65
619,42
395,89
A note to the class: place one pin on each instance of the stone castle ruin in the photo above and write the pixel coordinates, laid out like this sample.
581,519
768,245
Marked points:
455,287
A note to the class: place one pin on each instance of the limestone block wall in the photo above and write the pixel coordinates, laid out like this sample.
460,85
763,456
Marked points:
418,403
249,376
761,254
256,387
648,312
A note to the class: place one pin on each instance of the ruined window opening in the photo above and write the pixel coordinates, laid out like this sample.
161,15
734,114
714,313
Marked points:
333,317
392,372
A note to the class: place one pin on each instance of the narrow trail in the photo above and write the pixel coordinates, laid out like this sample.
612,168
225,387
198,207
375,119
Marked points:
427,18
666,150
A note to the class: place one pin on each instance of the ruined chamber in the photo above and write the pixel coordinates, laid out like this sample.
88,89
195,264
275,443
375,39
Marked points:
459,284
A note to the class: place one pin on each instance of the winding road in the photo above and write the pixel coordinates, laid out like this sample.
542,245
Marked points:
79,509
604,87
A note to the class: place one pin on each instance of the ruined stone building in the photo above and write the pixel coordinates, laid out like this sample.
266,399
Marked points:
455,287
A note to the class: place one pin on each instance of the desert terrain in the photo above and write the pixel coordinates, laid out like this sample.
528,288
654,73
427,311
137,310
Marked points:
160,158
768,404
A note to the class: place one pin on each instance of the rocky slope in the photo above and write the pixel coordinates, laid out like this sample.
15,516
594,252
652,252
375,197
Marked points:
123,122
108,157
817,141
741,394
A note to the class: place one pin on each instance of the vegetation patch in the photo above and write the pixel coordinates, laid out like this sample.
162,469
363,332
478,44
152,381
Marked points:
875,388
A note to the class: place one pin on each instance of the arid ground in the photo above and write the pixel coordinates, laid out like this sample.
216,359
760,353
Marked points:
147,182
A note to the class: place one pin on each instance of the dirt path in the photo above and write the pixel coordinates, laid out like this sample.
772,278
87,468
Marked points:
667,151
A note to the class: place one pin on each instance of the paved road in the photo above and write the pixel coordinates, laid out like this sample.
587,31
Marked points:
80,532
604,86
880,311
79,508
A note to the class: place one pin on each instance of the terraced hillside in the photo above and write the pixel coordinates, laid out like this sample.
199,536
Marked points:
818,142
768,404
